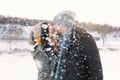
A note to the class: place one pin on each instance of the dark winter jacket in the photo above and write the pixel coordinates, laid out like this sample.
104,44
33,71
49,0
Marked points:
81,60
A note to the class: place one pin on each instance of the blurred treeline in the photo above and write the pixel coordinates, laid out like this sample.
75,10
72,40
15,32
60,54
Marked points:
30,22
19,21
103,29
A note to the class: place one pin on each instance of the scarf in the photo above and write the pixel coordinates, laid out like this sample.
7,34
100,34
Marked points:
64,41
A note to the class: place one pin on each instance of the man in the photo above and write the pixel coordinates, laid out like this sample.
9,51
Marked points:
79,57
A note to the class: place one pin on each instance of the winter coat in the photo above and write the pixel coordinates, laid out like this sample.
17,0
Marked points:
44,64
81,60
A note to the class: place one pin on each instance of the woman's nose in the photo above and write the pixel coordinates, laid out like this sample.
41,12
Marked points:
51,29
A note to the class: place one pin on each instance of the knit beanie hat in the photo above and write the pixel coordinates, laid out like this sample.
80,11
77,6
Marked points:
64,18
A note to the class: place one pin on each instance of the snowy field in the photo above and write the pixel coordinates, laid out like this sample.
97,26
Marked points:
20,66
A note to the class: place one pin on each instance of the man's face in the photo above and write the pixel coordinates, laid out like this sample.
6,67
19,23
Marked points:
60,29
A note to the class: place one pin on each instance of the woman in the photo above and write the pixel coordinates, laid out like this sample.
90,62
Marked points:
44,52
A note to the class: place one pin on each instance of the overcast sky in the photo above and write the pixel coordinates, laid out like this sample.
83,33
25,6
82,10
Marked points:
95,11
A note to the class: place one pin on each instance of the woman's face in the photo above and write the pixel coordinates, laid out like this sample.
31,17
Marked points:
51,30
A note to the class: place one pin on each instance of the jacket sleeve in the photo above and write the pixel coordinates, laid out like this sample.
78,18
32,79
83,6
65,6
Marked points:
92,58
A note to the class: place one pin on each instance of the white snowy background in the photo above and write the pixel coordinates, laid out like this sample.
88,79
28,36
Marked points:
20,66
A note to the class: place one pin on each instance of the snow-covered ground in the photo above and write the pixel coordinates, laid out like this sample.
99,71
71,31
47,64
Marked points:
17,67
21,66
111,64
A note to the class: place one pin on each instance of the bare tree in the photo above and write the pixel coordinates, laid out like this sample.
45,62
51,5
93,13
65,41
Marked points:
14,33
